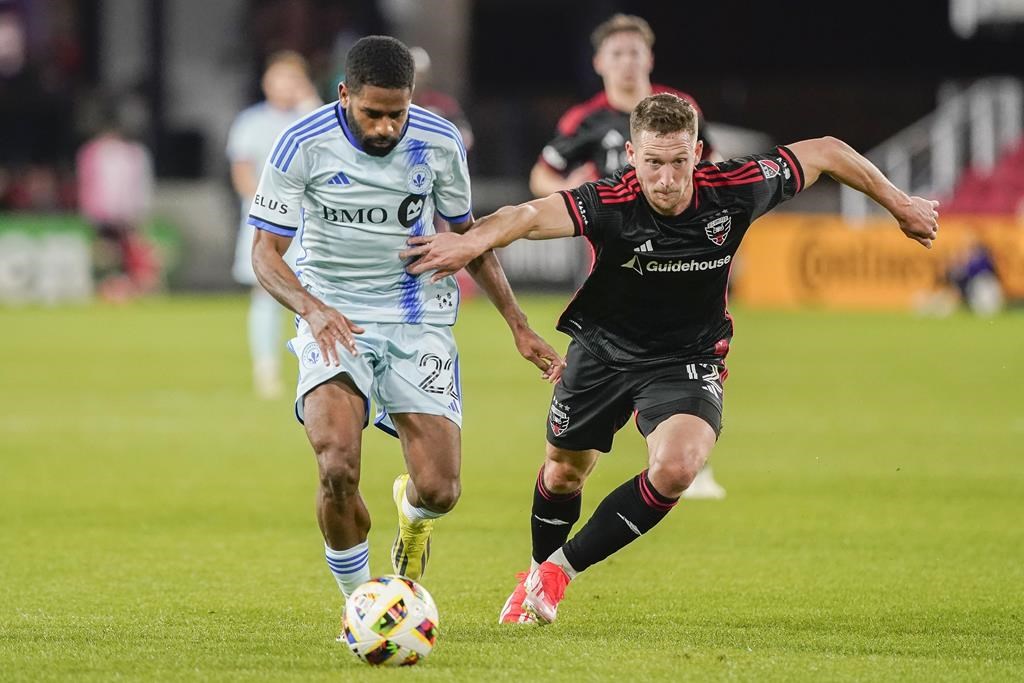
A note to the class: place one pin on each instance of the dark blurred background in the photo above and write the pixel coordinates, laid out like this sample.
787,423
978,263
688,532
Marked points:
174,73
793,70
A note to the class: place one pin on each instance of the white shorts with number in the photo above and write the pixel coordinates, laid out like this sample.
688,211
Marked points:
402,367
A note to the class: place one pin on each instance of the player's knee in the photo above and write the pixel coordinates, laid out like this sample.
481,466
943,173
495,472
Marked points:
339,480
339,469
439,495
563,477
673,474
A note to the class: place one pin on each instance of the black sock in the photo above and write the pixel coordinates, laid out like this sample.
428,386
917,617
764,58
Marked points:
623,516
552,518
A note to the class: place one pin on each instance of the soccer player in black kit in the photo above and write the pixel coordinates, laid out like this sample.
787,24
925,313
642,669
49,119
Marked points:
590,142
590,138
650,329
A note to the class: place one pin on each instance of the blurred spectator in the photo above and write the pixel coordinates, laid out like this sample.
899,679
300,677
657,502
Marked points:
39,72
115,189
289,95
971,280
35,125
975,277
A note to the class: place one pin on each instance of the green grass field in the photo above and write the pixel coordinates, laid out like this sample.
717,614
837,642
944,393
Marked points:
156,520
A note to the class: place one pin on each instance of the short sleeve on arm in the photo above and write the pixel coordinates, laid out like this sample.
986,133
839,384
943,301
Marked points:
597,208
759,182
452,193
277,206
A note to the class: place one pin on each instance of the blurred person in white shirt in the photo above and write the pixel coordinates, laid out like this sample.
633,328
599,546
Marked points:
289,95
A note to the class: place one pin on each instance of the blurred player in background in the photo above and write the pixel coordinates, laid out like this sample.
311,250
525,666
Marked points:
650,327
591,137
289,95
115,194
356,179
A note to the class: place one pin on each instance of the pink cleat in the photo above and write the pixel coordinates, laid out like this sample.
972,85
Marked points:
545,588
513,612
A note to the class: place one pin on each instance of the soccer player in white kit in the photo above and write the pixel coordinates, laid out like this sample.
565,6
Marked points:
354,181
289,96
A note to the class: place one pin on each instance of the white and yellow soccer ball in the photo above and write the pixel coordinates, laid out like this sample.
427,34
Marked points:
390,621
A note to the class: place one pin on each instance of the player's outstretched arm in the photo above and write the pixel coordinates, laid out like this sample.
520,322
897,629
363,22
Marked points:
329,327
447,252
918,217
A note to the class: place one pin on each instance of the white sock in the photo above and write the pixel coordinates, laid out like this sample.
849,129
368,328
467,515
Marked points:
415,514
533,564
351,567
558,557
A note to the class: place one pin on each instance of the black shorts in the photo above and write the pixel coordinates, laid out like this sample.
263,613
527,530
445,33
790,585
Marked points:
593,401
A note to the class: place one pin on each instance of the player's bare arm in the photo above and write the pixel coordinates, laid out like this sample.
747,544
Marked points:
329,327
918,217
540,219
487,272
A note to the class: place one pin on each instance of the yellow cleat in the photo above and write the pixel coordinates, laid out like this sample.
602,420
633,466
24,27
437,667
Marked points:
411,549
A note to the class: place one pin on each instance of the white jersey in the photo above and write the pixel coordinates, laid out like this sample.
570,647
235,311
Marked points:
354,212
251,140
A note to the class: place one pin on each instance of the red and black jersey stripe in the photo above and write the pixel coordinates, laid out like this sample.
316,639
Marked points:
626,190
713,176
658,292
578,223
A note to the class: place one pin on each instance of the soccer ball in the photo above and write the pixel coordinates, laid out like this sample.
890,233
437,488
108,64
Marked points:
390,621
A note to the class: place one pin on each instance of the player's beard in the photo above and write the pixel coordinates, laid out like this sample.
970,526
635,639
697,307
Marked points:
376,146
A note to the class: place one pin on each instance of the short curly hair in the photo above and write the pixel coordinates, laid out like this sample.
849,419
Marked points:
382,61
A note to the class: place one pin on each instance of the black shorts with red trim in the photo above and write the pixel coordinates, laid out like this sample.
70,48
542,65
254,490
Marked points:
593,401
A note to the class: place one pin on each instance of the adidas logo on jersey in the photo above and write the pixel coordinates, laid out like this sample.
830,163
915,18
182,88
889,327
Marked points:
645,248
339,179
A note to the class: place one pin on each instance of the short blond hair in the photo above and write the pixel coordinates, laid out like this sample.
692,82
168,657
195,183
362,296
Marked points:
663,114
622,23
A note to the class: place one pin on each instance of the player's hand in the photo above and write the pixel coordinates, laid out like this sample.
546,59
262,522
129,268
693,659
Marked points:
920,221
534,349
330,328
446,253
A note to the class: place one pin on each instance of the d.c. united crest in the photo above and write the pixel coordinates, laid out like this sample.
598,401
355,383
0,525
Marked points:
718,229
558,418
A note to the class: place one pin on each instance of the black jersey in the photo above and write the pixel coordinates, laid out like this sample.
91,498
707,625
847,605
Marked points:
596,132
657,291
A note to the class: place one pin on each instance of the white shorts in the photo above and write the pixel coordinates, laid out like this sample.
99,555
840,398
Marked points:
402,367
242,270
